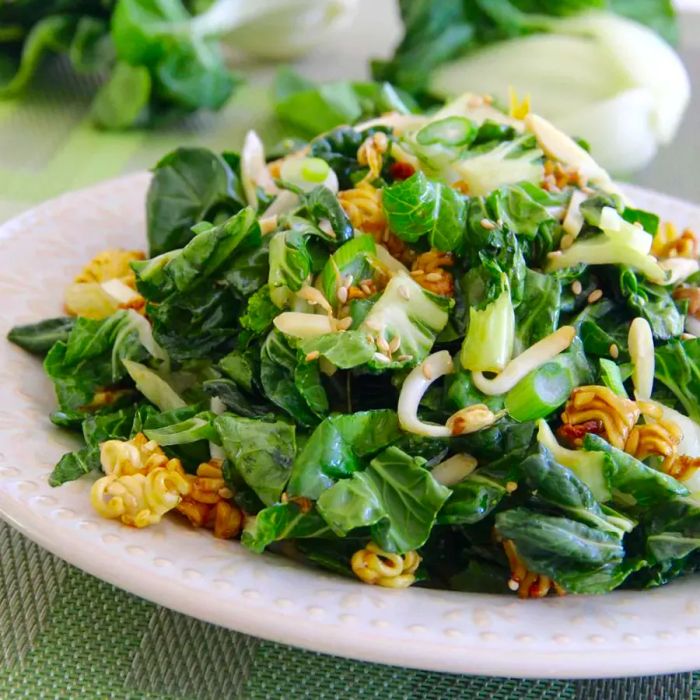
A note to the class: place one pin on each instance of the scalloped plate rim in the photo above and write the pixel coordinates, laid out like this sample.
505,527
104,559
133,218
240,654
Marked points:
335,618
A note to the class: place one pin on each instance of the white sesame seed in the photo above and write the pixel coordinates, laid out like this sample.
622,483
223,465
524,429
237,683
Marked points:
366,288
513,584
314,355
382,344
381,358
433,277
487,224
427,372
395,344
342,294
405,358
594,296
417,273
576,287
344,323
614,351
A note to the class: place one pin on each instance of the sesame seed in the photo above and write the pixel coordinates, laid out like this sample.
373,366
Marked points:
417,273
342,294
487,224
405,358
395,344
688,336
511,486
433,277
381,358
427,372
366,288
404,292
513,584
344,323
383,345
576,287
614,351
595,295
314,355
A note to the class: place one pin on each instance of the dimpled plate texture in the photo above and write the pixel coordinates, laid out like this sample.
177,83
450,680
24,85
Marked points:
625,633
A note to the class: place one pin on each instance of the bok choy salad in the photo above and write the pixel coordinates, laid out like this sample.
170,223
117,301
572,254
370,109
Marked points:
439,349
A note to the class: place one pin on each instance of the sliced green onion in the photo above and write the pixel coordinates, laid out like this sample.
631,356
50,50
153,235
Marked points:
314,169
452,131
612,377
305,172
539,393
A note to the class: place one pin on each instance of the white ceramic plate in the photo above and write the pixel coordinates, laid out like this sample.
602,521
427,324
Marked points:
624,633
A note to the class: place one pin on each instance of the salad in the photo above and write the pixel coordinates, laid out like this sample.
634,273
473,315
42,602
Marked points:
441,349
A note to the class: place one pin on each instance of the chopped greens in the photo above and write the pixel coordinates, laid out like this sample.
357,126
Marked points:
397,355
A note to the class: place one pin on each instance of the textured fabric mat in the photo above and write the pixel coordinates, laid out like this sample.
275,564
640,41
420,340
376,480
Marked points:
67,635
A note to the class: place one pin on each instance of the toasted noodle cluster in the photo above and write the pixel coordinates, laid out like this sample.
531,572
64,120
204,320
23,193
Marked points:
527,583
670,243
599,407
363,205
106,284
371,153
141,484
209,502
429,271
375,566
596,409
692,296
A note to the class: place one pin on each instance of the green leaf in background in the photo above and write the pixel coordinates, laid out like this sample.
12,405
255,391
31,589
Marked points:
315,109
123,100
418,206
38,338
336,448
678,367
283,521
395,495
189,185
260,452
50,34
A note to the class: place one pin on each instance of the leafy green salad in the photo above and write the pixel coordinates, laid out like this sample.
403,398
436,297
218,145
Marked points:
441,349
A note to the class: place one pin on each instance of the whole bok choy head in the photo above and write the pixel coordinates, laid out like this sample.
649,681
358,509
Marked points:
604,77
162,58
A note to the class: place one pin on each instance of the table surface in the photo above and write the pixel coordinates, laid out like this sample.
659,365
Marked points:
64,634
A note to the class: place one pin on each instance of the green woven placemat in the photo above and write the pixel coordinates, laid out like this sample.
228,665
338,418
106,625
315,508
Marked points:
64,634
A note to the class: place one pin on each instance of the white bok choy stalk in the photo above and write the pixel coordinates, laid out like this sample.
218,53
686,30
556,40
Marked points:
275,29
454,469
605,78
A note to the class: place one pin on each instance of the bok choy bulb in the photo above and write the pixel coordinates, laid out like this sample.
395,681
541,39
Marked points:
604,78
275,29
488,346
